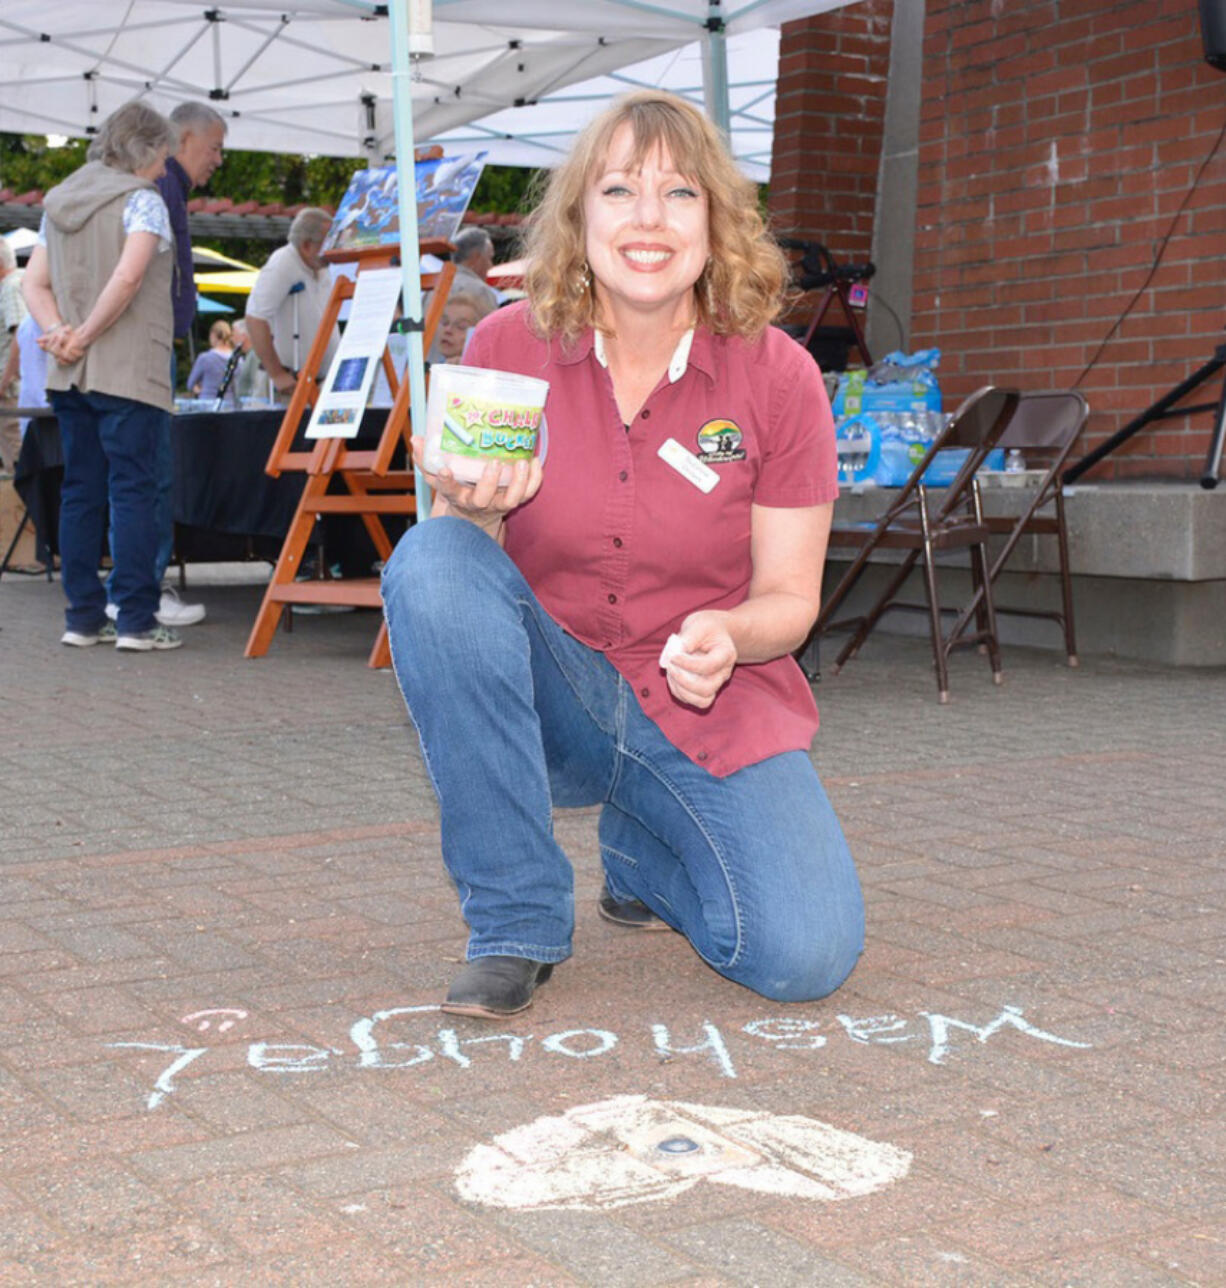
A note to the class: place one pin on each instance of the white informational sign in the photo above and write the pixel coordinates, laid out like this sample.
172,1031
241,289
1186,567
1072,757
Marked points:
338,412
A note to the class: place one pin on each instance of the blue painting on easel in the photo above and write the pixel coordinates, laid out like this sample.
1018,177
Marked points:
369,213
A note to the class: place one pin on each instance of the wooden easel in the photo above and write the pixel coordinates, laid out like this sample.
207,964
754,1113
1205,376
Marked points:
373,488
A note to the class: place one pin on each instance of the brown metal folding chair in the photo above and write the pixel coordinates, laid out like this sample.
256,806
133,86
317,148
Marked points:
922,529
1044,428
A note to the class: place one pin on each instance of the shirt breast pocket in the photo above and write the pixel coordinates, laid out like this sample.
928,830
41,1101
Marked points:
693,530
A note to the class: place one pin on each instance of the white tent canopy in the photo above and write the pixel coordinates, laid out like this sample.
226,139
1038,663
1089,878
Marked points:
315,76
538,134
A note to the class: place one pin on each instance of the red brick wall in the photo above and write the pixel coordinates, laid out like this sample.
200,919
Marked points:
829,111
1059,139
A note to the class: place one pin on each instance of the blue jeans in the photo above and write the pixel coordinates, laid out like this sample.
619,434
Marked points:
166,486
515,717
164,515
110,450
164,510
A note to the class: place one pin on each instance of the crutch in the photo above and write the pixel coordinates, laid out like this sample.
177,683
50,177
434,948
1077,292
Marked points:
294,292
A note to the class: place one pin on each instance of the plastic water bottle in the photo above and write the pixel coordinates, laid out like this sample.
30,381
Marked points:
1015,462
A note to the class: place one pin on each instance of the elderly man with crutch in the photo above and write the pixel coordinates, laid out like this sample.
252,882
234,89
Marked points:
288,302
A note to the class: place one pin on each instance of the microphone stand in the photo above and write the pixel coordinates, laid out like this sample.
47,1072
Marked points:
226,377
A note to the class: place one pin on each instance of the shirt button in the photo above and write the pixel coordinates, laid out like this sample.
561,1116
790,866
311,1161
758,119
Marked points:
647,415
612,599
617,541
624,475
702,755
644,693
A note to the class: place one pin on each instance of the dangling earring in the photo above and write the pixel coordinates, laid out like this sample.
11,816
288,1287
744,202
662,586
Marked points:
706,286
583,282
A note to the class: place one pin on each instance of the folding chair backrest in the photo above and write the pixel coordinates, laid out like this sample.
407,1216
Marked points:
976,427
1046,422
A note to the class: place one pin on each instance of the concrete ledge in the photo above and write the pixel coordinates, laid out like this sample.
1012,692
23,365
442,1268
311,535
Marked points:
1149,572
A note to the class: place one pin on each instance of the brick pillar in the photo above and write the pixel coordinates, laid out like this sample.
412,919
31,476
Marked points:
829,112
1071,165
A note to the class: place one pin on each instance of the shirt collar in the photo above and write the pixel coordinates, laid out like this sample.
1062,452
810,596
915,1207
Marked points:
693,349
174,168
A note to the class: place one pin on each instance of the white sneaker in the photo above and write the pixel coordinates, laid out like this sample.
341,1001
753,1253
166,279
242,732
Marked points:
160,638
173,612
105,634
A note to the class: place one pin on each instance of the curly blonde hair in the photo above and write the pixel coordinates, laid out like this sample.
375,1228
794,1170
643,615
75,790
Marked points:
740,291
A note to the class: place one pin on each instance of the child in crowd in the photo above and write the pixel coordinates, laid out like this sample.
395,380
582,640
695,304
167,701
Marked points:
210,367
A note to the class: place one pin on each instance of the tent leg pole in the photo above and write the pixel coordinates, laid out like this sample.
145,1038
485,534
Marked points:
715,71
410,256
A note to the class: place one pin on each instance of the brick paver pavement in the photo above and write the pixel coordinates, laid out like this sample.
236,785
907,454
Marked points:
218,875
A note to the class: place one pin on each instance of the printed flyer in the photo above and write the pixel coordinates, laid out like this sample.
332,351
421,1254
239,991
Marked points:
338,413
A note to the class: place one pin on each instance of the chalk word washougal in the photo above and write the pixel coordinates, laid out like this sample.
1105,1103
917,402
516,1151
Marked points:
375,1047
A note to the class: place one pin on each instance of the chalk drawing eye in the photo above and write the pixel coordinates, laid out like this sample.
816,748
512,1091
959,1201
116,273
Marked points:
203,1020
633,1150
678,1145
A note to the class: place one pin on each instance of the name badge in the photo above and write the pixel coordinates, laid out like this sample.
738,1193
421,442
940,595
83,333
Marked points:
703,477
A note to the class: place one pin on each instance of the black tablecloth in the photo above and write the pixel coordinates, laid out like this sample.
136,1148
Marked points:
225,506
220,484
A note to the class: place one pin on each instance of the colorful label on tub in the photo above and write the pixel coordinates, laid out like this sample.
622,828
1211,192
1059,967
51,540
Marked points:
489,428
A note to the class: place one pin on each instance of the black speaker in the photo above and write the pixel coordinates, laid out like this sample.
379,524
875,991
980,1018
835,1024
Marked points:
1213,32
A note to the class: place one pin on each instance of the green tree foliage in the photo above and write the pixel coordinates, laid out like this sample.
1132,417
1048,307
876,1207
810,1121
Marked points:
505,190
28,161
291,180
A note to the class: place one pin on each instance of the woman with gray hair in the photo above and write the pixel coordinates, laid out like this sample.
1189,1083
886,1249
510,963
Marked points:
98,283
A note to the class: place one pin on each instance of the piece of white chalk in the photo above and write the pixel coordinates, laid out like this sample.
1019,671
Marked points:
672,646
459,431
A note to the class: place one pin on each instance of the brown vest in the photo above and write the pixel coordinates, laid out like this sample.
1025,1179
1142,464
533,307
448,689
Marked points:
85,238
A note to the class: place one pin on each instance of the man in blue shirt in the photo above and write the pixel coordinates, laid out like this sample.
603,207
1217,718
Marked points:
202,132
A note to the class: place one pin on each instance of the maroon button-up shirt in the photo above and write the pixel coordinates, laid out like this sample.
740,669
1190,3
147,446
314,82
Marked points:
620,547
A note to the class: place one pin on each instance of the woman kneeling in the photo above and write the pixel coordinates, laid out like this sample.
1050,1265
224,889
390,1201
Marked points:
617,627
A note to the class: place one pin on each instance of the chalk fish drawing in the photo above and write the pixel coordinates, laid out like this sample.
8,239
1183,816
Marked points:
630,1149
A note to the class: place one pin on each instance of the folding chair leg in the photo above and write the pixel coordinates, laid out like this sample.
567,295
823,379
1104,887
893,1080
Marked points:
981,584
1066,583
981,618
845,584
934,612
873,616
980,553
